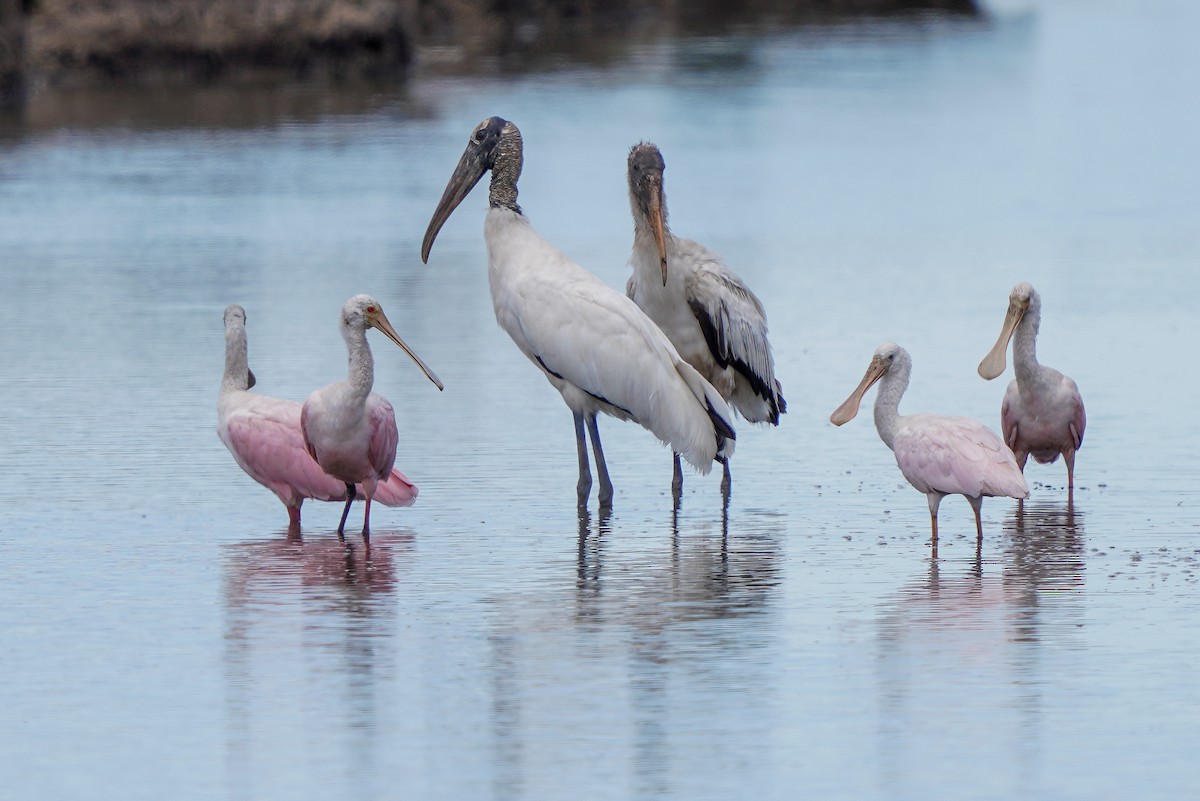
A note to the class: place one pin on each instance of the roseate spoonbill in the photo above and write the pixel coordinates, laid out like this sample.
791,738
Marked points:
939,455
263,434
349,430
711,317
1042,413
593,344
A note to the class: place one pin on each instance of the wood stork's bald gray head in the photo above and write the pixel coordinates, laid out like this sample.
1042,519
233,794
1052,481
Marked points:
889,358
495,145
1023,302
362,312
646,196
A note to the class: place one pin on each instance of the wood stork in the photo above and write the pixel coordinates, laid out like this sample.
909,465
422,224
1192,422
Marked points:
349,430
593,344
939,455
711,317
263,434
1042,414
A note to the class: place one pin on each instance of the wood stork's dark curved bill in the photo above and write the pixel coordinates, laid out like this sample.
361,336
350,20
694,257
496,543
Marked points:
380,321
476,160
994,363
849,408
656,223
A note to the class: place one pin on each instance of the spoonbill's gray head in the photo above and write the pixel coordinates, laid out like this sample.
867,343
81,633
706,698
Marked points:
1023,302
235,323
888,357
363,311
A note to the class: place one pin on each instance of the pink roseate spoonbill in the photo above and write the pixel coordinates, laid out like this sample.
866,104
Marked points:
711,317
593,344
1042,414
263,434
349,430
939,455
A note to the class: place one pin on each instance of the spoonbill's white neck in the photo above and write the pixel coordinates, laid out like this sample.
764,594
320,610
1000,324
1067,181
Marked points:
236,367
887,399
361,373
1025,361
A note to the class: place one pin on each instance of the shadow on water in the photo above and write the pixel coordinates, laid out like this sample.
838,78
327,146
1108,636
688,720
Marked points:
325,606
648,616
964,618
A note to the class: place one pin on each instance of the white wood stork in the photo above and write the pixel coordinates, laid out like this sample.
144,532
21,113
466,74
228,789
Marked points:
593,344
1042,413
712,318
939,455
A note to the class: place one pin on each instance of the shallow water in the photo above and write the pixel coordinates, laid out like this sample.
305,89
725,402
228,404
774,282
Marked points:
877,181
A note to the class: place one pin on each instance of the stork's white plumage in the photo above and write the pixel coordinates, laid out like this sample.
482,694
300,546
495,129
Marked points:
1042,414
595,345
939,455
711,317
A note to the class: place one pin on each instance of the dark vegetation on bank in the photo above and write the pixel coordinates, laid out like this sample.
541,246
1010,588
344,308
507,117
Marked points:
172,42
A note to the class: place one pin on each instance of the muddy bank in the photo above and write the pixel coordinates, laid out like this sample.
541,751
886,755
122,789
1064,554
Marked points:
172,42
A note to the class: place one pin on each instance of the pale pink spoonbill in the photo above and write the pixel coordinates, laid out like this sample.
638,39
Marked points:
711,317
349,430
593,344
263,434
1042,414
939,455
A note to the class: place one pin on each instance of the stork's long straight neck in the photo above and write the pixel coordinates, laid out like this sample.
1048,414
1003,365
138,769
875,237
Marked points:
506,169
236,366
361,373
887,402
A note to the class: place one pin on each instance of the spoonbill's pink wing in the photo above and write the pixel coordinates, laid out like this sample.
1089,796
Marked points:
396,490
264,436
384,436
956,455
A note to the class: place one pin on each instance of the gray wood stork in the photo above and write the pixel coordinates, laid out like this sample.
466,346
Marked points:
939,455
712,318
593,344
1042,413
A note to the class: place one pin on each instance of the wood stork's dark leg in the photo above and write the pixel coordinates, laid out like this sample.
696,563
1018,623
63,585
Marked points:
345,512
584,487
606,487
677,482
726,480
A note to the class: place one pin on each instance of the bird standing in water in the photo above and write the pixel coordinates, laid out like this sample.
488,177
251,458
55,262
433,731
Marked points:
349,430
711,317
263,434
939,455
593,344
1042,413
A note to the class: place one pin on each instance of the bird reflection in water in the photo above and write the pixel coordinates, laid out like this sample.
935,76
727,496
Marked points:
306,628
962,625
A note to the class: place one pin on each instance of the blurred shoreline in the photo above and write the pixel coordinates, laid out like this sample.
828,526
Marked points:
70,44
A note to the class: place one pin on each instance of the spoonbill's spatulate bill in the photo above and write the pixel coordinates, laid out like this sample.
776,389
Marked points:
1042,414
711,317
349,430
939,455
597,348
263,434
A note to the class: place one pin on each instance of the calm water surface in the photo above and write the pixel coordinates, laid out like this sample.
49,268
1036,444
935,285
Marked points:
163,637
